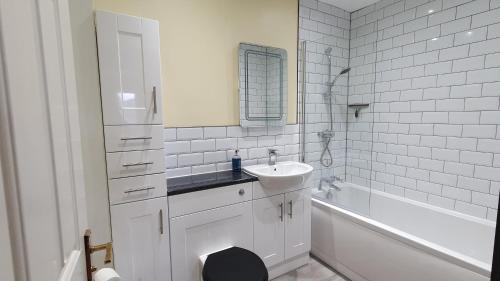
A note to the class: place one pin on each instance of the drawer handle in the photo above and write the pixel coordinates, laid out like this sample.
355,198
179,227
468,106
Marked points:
155,107
281,211
137,164
161,221
241,192
139,189
136,138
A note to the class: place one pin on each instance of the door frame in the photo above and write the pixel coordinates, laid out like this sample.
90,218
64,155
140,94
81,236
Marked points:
12,265
6,259
42,200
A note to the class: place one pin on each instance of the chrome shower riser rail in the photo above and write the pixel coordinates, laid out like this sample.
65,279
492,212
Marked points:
302,126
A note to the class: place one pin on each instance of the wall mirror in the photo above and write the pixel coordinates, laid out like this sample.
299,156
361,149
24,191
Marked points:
262,85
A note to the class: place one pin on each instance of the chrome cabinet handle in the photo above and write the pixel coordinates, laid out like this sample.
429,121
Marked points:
291,209
161,221
155,109
281,211
139,189
136,138
137,164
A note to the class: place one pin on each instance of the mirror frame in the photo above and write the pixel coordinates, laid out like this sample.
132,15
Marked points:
246,120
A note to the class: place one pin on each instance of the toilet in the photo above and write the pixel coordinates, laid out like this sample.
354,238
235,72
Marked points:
233,264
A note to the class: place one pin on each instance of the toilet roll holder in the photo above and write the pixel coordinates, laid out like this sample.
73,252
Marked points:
89,250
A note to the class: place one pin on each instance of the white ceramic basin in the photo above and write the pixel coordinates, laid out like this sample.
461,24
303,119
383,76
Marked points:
282,175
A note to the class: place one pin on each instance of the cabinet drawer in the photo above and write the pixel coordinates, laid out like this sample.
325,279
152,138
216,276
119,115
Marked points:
188,203
137,188
260,191
133,137
135,163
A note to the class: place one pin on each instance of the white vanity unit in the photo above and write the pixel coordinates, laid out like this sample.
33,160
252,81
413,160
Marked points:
129,62
273,223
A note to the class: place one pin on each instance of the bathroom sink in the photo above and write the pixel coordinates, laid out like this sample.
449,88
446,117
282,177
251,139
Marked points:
282,175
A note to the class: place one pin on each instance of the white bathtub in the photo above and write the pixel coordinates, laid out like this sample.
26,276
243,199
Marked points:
403,240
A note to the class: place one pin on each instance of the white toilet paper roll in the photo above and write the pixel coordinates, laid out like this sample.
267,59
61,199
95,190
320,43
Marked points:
107,274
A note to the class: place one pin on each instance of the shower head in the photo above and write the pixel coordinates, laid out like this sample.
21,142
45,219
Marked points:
345,70
328,51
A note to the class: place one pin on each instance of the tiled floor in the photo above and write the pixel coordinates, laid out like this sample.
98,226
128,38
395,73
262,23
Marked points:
314,271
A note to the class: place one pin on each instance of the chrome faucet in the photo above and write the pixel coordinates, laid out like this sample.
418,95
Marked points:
272,153
335,179
331,181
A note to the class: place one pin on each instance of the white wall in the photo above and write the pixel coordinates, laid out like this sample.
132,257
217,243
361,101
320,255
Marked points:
430,71
436,135
87,79
322,26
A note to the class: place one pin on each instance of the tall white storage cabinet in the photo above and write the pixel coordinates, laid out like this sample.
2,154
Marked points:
129,63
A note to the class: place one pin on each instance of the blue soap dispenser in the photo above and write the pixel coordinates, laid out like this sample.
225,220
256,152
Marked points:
236,161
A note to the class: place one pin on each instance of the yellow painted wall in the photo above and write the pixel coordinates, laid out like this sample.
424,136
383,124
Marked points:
199,47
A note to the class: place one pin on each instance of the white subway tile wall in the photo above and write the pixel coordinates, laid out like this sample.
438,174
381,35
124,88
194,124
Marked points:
209,149
435,103
334,33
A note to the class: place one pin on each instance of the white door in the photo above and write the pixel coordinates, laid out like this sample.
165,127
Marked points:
40,151
268,221
297,223
140,239
129,66
206,232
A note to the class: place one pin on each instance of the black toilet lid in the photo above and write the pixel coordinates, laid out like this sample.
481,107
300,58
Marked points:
234,264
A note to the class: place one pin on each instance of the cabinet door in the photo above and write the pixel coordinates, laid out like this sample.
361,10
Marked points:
206,232
268,223
129,67
297,223
140,240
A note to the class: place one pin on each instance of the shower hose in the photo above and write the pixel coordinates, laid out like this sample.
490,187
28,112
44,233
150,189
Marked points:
325,160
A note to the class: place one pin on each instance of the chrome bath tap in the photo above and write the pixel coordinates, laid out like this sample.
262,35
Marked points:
331,181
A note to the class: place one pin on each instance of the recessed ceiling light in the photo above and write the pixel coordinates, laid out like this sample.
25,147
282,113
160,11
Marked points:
434,39
431,11
469,33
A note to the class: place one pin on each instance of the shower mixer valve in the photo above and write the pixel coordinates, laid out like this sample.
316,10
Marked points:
326,134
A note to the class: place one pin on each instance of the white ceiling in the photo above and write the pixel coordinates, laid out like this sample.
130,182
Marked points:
350,5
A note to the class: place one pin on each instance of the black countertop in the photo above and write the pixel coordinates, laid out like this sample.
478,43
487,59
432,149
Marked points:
180,185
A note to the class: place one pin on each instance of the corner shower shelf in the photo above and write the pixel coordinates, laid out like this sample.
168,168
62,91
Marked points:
358,107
